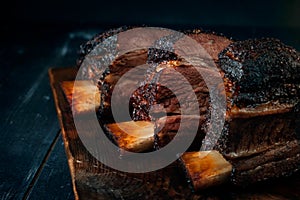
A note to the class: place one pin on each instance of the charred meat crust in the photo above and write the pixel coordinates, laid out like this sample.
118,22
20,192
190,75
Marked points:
94,72
87,47
261,70
262,83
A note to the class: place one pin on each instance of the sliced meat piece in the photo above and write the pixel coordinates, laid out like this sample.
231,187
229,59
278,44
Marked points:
166,128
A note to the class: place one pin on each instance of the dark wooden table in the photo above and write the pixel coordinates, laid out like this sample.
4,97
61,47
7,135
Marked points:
33,160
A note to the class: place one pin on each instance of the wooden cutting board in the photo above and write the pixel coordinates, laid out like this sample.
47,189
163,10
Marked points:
93,180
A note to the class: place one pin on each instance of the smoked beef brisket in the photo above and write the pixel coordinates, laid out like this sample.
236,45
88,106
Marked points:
260,137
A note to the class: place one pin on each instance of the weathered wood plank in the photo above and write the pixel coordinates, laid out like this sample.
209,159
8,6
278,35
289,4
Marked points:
54,181
28,122
27,130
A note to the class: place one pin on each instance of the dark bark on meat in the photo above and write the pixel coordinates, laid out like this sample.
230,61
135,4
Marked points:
261,71
93,72
260,135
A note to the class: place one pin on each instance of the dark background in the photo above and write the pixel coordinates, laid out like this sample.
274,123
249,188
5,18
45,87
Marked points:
36,35
38,19
282,13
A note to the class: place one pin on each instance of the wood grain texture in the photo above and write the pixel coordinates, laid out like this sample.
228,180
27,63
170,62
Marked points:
28,126
54,182
28,122
93,180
